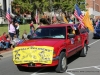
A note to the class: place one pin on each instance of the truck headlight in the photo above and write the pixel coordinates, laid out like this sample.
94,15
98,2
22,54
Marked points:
54,54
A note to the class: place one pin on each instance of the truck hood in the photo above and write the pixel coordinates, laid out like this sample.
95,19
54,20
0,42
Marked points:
42,42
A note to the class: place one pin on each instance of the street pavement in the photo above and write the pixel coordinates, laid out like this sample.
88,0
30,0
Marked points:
89,65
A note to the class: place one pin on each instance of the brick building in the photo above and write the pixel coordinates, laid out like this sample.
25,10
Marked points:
94,8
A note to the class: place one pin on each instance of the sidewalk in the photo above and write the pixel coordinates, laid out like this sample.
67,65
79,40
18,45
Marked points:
3,52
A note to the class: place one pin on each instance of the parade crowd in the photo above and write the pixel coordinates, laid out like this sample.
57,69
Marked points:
11,39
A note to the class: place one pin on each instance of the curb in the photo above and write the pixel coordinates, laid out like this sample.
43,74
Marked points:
6,53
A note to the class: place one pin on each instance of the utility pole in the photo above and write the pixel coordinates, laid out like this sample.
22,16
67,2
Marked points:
30,1
85,4
76,1
93,8
51,9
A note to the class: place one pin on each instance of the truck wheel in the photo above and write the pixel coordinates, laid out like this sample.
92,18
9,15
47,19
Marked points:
94,37
84,51
62,65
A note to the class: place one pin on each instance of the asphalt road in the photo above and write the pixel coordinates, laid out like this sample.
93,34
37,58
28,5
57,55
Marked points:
89,65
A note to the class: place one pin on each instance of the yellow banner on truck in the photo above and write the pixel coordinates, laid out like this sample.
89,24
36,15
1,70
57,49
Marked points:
35,54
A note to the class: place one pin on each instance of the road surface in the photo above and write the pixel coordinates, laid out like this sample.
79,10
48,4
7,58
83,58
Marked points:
89,65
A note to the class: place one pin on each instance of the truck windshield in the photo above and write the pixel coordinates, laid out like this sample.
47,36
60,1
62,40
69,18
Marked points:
51,32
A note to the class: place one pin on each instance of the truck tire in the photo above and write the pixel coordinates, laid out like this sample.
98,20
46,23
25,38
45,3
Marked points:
83,52
62,65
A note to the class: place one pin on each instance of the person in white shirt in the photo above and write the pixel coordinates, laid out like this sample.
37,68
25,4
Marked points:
24,36
11,29
15,41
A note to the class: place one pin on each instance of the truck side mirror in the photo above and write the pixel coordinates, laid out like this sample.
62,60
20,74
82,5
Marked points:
71,35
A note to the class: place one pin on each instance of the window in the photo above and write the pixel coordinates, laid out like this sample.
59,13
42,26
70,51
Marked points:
77,31
69,30
52,32
97,7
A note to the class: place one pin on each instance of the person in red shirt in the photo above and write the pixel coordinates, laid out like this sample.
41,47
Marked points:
5,41
32,28
1,44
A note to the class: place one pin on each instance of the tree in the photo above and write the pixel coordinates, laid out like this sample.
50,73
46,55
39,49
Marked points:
24,5
46,5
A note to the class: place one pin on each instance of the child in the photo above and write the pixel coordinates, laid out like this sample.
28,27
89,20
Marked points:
15,41
24,36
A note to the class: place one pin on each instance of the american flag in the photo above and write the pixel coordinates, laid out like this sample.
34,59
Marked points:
78,15
8,15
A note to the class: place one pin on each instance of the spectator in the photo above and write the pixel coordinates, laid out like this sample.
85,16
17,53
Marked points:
31,28
4,40
15,19
1,44
24,36
8,37
11,30
17,29
15,41
40,24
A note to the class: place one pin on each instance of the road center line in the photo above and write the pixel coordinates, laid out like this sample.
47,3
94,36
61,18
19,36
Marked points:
37,72
93,42
83,67
97,67
70,73
67,71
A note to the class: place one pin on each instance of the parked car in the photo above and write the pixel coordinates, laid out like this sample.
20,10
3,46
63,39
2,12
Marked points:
96,33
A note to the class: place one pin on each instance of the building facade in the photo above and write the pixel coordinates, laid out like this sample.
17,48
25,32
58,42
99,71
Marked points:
4,5
92,5
94,8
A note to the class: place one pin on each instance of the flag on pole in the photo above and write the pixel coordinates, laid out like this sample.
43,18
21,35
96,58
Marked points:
78,15
8,15
87,22
64,19
36,16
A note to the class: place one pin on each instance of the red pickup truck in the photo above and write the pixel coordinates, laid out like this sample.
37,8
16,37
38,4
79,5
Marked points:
66,39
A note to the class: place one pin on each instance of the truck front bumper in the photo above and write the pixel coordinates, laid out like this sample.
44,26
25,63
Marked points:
54,63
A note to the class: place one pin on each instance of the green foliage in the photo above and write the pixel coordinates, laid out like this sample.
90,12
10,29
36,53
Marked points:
25,5
21,29
47,5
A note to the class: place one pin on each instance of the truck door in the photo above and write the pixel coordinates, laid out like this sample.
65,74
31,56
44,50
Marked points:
78,39
70,42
